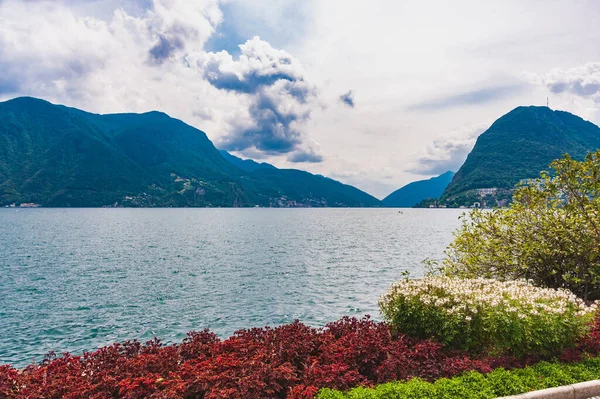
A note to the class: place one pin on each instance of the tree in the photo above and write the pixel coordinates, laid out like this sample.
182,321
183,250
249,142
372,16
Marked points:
550,234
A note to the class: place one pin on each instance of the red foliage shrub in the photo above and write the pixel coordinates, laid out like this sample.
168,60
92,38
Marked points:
198,345
9,382
291,361
459,364
591,344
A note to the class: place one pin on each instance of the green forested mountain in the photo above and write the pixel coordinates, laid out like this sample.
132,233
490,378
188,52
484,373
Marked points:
415,192
58,156
518,146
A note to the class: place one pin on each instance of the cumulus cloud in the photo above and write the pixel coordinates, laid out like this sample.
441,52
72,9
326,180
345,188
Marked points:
258,65
54,53
582,81
308,154
182,24
165,48
52,56
348,98
155,59
280,100
447,152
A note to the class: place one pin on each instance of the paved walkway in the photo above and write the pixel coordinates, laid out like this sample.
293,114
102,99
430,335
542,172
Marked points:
582,390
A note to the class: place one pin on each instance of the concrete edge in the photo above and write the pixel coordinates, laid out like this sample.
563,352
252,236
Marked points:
582,390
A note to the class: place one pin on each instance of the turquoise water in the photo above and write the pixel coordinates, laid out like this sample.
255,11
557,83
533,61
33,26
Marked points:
77,279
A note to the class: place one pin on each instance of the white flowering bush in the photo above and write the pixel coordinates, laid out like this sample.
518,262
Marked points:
487,315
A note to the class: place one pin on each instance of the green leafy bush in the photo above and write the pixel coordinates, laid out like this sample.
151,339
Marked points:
486,315
474,385
549,235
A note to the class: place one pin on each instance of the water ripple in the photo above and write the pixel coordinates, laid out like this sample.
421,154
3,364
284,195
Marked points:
78,279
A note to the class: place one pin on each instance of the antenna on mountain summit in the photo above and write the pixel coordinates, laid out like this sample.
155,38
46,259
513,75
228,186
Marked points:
548,102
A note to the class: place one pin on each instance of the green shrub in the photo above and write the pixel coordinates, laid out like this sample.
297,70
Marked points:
474,385
486,315
549,235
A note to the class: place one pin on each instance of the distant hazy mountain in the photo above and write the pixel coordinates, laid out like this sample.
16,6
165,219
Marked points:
518,146
248,165
58,156
415,192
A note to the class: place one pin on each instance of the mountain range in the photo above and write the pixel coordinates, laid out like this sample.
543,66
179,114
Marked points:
52,155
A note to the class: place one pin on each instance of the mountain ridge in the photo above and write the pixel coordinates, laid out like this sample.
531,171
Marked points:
55,155
248,165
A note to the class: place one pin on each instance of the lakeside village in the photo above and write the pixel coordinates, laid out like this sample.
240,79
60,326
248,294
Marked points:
24,205
138,201
486,198
143,200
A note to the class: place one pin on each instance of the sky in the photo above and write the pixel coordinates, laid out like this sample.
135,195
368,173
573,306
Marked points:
375,94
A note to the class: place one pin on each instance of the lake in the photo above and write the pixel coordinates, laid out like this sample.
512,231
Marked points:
77,279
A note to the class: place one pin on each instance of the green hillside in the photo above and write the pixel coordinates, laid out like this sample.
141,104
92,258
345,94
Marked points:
518,146
58,156
415,192
298,184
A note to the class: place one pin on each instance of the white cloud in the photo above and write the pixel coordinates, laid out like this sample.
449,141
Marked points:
280,100
51,52
446,152
259,63
582,81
